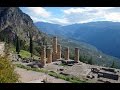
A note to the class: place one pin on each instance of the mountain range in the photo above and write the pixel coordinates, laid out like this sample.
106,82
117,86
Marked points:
13,21
104,35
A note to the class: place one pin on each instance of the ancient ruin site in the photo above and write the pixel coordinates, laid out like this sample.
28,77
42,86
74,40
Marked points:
52,61
59,45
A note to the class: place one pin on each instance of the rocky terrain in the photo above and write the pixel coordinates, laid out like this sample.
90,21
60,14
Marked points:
36,77
85,72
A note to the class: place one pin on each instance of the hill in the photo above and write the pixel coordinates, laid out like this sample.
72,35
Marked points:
13,21
104,35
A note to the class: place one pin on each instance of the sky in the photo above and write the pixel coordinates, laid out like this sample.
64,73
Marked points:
72,15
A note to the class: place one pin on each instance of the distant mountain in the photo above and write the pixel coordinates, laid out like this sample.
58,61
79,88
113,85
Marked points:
103,34
49,28
14,21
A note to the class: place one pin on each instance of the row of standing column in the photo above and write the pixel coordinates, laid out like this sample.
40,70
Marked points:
56,53
76,59
56,50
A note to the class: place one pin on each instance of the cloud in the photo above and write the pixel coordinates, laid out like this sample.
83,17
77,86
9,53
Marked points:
113,17
71,15
89,14
85,9
39,12
62,21
35,19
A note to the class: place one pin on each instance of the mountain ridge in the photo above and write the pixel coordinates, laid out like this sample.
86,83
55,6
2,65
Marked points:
100,34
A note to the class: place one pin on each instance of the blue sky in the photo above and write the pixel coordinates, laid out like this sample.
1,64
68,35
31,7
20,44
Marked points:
72,15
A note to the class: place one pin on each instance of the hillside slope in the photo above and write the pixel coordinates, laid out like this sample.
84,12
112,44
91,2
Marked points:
104,35
13,21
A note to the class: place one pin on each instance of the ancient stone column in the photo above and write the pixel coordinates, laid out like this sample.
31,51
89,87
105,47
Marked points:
58,51
43,55
55,44
54,48
49,55
67,53
76,54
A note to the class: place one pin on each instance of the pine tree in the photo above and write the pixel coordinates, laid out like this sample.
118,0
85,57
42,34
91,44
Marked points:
113,65
17,45
31,45
90,61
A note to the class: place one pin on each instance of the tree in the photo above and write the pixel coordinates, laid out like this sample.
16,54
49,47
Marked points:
90,61
17,44
44,41
113,65
7,69
31,45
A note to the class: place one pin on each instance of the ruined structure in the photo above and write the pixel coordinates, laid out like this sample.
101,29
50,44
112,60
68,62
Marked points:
76,54
58,51
54,53
54,48
49,55
67,53
43,55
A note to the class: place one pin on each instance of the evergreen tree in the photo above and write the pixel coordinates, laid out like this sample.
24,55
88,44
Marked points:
31,45
90,61
17,44
113,65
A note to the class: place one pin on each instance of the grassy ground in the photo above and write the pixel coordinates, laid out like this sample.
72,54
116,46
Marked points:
23,53
26,54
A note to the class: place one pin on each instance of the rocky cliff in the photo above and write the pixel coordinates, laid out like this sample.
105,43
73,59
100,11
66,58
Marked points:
13,20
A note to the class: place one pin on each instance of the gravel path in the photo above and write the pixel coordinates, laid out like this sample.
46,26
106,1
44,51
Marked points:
36,77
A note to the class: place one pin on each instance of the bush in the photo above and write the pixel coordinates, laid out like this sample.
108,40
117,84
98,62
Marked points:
7,73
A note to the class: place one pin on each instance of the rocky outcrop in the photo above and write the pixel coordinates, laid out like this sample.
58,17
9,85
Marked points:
13,20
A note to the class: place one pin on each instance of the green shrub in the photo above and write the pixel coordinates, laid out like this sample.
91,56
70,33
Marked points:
7,73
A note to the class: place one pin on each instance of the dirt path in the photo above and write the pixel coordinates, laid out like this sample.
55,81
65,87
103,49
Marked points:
36,77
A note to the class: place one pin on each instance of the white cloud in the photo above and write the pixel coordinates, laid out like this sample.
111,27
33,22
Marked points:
35,19
85,9
89,14
39,11
62,21
74,14
73,10
113,17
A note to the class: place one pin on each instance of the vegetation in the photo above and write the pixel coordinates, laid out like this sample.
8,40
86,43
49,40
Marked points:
90,61
7,73
31,45
72,79
113,65
26,54
17,44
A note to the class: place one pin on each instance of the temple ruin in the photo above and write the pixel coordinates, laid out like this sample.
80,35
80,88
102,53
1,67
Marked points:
54,49
49,55
54,53
58,51
67,53
76,54
43,55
